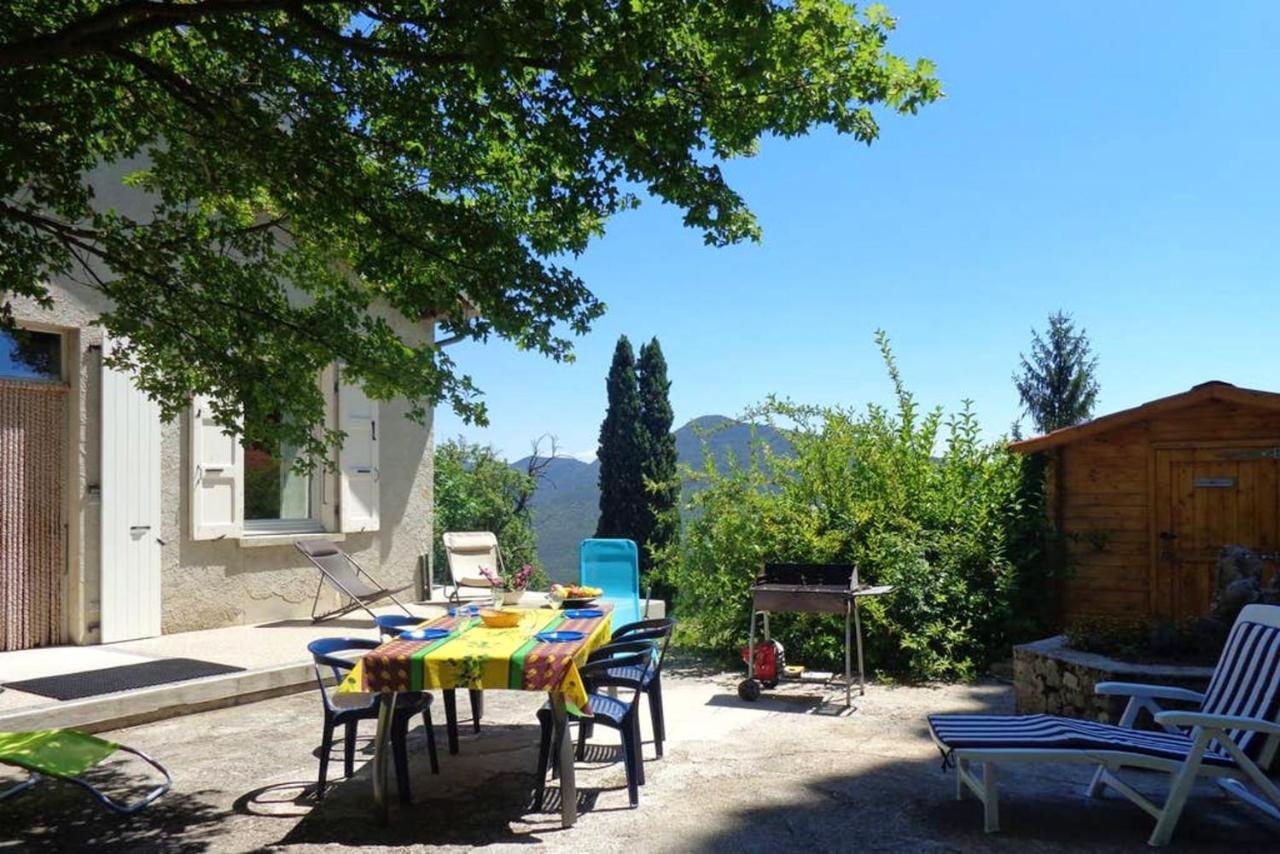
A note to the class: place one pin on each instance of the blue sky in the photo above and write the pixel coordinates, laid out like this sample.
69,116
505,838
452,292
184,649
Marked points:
1120,161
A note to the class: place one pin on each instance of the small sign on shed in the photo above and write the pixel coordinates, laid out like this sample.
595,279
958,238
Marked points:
1215,482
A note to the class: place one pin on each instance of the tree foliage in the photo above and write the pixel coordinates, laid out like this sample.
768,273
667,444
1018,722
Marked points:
661,520
476,490
394,161
622,443
915,499
1058,383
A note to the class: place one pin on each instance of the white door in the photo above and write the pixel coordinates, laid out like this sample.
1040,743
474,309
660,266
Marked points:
130,509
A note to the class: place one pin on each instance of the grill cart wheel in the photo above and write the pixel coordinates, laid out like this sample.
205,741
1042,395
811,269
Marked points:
749,690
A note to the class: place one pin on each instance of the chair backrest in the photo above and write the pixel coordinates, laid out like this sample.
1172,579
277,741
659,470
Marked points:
468,551
657,630
614,567
338,568
1246,680
641,654
325,653
390,625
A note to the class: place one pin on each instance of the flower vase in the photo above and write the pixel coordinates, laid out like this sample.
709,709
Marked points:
512,597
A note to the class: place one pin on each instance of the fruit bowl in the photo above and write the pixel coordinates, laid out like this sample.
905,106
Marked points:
574,595
499,619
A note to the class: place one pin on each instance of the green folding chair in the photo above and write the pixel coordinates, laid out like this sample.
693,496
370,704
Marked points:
65,754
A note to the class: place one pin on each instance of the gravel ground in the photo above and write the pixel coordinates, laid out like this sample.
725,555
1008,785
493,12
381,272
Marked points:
788,772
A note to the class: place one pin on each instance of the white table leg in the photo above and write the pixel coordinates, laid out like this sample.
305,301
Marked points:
568,782
385,712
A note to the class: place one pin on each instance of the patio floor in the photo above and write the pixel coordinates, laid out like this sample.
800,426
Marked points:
781,774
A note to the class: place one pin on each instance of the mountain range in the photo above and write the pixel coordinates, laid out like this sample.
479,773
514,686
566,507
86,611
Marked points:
566,503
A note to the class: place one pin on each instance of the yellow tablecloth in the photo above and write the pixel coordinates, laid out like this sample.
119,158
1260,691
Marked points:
471,655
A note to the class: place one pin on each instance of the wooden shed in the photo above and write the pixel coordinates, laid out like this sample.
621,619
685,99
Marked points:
1148,496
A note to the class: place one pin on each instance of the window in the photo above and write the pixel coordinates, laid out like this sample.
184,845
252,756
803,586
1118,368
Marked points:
26,354
277,498
252,490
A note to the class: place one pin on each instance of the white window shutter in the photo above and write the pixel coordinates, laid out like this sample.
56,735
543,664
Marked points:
217,477
328,474
357,460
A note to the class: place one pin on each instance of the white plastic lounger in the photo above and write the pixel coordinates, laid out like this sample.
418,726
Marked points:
467,553
1235,731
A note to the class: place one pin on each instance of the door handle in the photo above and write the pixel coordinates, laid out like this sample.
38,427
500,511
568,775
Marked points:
139,529
1168,535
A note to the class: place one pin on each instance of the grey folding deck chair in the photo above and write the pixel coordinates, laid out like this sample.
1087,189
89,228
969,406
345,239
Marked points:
339,569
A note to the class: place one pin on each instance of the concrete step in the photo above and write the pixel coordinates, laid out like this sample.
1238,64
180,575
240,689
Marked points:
140,705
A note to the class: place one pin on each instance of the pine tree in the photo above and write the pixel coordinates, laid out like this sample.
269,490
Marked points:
622,498
662,483
1057,384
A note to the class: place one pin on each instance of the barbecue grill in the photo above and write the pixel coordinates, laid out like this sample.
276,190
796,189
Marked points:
809,588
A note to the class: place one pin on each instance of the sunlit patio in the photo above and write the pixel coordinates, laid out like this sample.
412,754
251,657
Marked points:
787,772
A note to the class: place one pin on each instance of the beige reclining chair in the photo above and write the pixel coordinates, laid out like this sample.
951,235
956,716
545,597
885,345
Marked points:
467,552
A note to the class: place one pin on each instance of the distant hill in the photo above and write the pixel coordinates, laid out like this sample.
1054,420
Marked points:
566,505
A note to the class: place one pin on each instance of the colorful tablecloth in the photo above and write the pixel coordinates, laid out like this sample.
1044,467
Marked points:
474,655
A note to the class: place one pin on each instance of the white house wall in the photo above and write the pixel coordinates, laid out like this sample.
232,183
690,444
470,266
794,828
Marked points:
207,584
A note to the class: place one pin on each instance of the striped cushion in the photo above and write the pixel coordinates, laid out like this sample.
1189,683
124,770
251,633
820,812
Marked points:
1049,732
1246,681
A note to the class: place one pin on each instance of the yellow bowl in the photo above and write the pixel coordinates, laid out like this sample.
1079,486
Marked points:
503,619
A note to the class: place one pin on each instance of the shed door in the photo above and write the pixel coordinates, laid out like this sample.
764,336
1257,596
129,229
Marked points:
130,510
1208,498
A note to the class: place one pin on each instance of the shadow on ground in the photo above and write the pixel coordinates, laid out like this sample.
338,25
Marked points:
483,796
58,816
883,802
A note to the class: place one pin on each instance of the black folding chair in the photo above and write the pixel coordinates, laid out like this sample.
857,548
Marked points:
339,569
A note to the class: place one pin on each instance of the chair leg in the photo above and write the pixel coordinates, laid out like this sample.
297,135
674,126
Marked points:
544,755
582,741
557,738
451,719
349,749
326,744
400,755
1179,789
431,740
1098,785
637,743
655,714
990,798
629,761
477,708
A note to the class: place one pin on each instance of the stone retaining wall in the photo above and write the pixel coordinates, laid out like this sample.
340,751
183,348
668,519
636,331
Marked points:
1051,678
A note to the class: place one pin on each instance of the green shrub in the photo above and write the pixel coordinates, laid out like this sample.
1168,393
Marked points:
1196,641
914,500
476,490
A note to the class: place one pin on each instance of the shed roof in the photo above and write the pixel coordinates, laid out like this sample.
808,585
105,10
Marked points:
1212,390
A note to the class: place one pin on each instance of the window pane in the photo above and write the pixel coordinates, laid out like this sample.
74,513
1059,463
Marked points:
29,355
272,489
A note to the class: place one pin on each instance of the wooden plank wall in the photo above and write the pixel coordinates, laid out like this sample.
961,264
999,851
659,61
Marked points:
1105,501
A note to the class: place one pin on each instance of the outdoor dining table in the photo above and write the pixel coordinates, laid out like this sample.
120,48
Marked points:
471,655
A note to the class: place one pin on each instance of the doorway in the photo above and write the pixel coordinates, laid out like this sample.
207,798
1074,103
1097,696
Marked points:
33,431
1207,498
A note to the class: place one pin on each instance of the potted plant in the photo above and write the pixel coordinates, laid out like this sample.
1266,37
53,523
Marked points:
509,586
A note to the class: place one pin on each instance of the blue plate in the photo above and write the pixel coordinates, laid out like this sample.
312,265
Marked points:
424,634
465,610
583,613
559,637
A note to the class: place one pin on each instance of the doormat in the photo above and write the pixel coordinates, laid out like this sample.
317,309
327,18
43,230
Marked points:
91,683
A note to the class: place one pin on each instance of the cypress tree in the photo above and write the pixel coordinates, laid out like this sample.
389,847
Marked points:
622,498
661,516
